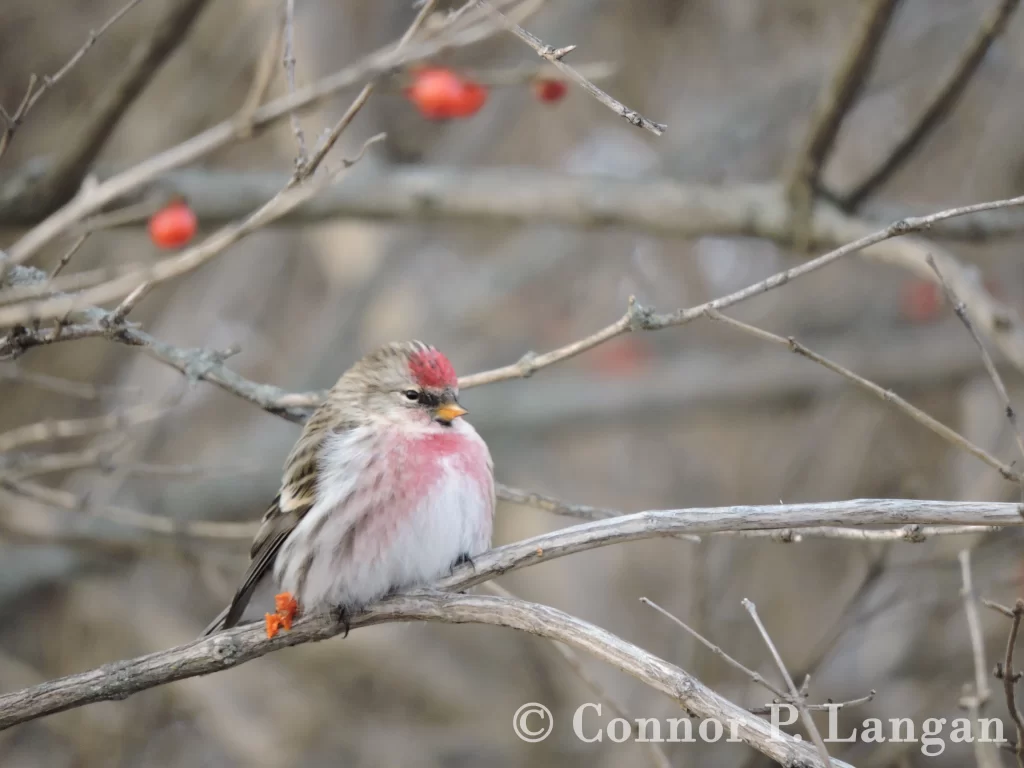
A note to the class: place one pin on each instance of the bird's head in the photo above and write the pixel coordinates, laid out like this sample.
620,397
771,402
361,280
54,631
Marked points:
405,382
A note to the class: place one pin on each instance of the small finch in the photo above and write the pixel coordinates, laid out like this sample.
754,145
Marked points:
387,488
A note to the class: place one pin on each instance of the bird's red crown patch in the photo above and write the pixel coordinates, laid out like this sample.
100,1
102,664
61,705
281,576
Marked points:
430,368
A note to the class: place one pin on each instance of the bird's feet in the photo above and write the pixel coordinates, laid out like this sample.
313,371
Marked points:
341,615
463,558
287,607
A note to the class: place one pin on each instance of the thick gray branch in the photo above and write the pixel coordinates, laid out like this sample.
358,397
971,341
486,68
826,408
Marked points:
234,647
121,679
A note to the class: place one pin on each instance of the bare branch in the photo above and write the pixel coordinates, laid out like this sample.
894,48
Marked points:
1010,681
794,694
914,534
977,697
304,169
289,70
44,431
186,261
239,645
217,137
80,389
62,179
826,707
266,66
79,242
511,195
836,101
32,94
638,318
951,436
553,505
575,663
756,677
939,106
961,311
555,56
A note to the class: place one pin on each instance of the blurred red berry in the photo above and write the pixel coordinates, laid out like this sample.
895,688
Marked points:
472,98
173,226
621,357
549,90
440,94
921,301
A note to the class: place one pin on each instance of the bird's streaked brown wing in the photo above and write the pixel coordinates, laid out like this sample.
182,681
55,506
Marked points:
296,497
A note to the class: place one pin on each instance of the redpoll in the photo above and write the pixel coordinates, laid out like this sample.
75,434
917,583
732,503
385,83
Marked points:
387,488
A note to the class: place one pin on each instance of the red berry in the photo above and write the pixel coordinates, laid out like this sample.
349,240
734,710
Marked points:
921,301
621,357
472,98
173,226
549,90
440,94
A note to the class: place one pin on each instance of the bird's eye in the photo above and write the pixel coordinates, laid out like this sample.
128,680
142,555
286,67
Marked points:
411,394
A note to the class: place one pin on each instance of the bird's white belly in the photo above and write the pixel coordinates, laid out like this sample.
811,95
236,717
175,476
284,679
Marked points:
367,536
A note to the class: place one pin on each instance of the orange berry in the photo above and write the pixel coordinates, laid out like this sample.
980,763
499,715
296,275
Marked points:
173,226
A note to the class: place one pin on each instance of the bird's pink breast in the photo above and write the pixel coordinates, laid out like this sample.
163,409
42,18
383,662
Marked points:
423,461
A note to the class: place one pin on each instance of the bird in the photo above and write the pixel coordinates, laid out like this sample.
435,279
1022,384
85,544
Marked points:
387,488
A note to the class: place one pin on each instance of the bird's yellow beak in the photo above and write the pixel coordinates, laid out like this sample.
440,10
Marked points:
449,412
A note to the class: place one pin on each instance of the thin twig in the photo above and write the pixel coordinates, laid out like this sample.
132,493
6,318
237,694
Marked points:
379,62
79,242
756,677
1010,681
914,534
186,261
835,103
639,318
978,695
116,318
156,524
266,66
44,431
829,706
32,95
981,671
997,607
575,663
80,389
305,169
939,106
555,56
961,311
56,77
63,178
553,505
289,71
798,700
951,436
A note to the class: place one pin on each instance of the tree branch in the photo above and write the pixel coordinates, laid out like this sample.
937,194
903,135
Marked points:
836,101
33,94
555,56
922,418
939,106
63,178
220,135
237,646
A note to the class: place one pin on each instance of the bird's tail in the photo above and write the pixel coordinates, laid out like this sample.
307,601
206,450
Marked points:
217,624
